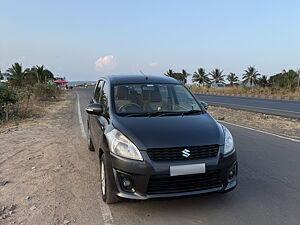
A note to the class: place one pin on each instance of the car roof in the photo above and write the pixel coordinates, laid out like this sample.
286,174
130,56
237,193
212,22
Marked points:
136,79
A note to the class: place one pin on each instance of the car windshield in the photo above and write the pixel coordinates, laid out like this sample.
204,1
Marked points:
153,99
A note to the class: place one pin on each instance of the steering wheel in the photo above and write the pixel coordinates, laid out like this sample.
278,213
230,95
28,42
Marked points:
130,107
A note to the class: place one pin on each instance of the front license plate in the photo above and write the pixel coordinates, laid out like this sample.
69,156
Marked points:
187,169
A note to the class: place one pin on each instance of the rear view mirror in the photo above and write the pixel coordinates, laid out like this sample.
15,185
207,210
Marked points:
204,104
94,109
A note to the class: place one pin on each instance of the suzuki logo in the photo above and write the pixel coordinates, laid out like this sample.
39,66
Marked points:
186,153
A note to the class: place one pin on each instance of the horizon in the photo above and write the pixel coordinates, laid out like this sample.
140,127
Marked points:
81,41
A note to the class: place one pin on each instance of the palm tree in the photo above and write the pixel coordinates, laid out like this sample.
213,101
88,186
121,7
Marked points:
291,79
178,76
169,73
42,74
263,81
217,75
251,75
16,75
232,78
200,76
184,76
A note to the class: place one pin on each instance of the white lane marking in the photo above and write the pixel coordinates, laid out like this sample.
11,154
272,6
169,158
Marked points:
281,110
264,132
105,210
80,118
106,214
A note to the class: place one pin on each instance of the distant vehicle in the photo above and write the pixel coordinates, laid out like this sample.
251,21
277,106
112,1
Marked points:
217,85
155,139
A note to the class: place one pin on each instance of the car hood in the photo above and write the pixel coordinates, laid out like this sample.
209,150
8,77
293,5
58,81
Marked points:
171,131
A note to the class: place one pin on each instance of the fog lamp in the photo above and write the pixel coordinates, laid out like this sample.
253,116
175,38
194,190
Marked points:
126,183
232,173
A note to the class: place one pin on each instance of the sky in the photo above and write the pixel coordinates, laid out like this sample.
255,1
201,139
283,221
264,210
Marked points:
84,39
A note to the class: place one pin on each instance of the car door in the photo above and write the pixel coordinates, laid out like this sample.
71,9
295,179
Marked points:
103,120
93,118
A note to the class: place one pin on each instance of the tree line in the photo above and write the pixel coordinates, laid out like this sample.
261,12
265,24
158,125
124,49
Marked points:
251,77
17,77
22,85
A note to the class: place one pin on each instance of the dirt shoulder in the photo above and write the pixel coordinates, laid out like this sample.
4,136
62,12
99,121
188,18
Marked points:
274,124
44,177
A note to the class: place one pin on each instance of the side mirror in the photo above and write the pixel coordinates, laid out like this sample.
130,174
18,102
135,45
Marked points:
94,109
204,104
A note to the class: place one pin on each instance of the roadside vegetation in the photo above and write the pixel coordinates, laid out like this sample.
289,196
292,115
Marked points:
24,91
283,126
285,84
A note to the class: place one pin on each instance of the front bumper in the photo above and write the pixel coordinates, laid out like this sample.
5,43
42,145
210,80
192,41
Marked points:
141,172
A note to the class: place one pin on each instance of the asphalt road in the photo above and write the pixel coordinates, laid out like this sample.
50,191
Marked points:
268,191
268,106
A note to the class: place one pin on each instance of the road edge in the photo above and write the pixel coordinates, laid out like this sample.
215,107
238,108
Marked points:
105,210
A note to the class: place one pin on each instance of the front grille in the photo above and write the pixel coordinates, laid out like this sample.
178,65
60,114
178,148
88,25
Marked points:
173,154
165,184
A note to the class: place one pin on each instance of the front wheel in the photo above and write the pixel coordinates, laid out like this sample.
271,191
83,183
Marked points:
106,183
90,142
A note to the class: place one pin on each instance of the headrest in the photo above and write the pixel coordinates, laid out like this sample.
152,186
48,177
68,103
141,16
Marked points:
145,94
155,95
152,95
122,93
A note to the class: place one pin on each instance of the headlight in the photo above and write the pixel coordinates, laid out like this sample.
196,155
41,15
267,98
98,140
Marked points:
122,146
228,146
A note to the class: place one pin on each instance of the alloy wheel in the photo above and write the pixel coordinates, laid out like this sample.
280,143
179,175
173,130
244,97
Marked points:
103,181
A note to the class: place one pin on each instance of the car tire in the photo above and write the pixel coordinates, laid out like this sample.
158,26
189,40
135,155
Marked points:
90,142
106,182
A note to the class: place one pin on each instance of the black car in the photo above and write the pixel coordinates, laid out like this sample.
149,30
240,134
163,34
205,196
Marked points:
155,139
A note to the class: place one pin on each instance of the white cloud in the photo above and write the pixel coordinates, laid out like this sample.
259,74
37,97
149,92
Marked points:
106,62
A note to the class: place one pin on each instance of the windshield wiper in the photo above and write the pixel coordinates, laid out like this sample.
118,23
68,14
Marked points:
169,114
137,114
193,111
158,113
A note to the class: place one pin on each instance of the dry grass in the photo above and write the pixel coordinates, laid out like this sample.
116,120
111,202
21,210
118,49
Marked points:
36,109
275,124
267,92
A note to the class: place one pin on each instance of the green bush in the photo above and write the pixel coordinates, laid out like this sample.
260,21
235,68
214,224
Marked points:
46,91
7,97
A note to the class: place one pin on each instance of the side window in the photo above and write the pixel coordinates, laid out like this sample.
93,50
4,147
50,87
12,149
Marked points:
104,96
184,99
182,95
98,91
